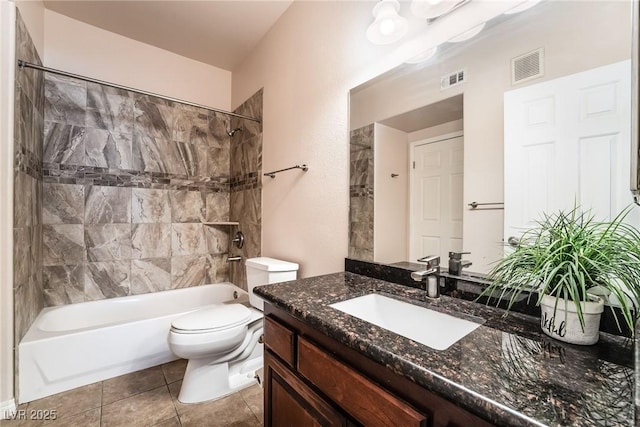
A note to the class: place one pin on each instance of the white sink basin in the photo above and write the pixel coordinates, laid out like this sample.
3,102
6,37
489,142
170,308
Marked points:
431,328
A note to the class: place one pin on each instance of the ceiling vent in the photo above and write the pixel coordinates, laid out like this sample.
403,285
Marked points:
527,67
453,79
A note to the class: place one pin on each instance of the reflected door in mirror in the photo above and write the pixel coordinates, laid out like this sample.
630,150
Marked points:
568,141
436,198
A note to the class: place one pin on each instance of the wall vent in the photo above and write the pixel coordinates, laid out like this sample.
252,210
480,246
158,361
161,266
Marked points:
453,79
528,66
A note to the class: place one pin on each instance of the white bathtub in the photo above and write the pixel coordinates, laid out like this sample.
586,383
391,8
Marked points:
78,344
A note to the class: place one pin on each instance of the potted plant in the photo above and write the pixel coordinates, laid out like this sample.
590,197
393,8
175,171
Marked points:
573,263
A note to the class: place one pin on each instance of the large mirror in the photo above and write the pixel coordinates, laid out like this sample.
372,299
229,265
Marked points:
460,152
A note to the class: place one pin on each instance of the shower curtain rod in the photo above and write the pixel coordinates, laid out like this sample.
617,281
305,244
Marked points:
23,64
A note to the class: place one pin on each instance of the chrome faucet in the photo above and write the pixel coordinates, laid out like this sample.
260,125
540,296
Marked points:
430,275
456,263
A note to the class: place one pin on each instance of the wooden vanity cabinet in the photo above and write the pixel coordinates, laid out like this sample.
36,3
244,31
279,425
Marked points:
313,380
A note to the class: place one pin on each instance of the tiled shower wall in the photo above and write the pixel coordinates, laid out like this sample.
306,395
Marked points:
246,183
129,182
361,194
27,208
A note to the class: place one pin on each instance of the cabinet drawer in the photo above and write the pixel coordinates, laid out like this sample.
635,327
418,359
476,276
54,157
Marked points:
279,339
362,399
290,403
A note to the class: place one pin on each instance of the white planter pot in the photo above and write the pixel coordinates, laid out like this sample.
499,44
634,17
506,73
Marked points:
562,322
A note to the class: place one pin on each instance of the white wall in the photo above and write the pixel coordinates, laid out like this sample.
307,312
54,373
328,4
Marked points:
7,67
83,49
390,195
307,63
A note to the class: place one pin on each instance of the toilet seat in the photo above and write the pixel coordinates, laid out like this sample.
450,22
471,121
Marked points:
214,330
212,318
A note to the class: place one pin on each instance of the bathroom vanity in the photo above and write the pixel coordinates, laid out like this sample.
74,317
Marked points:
325,367
298,355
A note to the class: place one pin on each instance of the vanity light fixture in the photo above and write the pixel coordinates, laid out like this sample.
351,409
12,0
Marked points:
522,7
468,34
388,27
422,57
432,9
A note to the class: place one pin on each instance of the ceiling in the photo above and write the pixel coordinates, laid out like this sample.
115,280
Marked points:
428,116
219,33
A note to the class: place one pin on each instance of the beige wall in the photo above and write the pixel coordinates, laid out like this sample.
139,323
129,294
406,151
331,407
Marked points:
307,63
390,195
432,132
7,49
83,49
32,12
571,45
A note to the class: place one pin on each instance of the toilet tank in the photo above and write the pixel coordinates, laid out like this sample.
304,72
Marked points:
266,271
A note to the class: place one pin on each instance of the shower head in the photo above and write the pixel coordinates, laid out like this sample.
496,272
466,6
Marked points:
233,132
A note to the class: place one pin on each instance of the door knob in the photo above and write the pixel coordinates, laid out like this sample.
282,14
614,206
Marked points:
513,241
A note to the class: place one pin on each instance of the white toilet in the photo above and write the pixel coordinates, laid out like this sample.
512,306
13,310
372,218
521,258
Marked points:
223,341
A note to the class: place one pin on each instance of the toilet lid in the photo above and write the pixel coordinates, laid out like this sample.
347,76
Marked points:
213,317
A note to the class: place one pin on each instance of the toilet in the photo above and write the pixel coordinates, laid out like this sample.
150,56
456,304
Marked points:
223,342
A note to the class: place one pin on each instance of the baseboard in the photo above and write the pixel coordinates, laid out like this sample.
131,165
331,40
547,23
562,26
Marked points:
7,409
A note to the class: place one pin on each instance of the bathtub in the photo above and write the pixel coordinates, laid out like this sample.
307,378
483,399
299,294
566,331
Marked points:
78,344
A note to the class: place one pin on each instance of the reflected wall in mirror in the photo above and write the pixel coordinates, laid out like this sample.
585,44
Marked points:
421,153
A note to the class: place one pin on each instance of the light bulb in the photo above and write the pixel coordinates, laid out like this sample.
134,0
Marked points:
387,26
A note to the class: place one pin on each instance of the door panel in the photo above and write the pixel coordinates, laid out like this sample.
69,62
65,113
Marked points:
598,158
430,245
539,182
431,200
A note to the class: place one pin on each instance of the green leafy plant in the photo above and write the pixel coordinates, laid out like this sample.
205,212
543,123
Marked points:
566,256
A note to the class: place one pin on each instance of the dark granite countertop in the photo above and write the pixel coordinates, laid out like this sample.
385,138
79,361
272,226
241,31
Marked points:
507,371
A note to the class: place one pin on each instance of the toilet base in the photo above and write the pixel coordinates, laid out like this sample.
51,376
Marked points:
204,380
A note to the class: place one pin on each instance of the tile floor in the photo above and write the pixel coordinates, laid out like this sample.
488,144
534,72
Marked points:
144,398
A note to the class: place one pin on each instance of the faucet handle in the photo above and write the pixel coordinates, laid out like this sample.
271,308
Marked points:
418,276
429,258
457,255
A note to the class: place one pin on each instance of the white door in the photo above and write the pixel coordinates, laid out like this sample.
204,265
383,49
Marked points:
568,141
436,198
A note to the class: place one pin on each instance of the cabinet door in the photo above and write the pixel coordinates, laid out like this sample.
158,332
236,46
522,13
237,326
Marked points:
290,403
